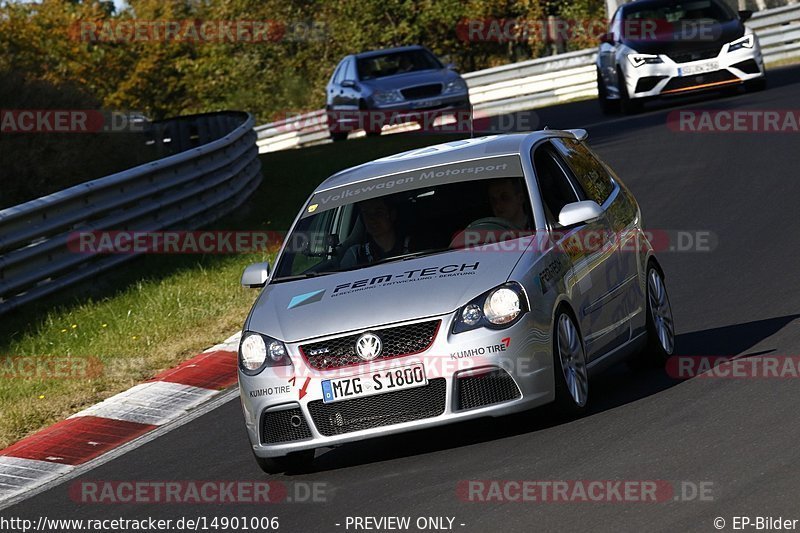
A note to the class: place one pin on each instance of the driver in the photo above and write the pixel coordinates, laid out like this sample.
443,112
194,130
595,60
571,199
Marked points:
383,239
507,198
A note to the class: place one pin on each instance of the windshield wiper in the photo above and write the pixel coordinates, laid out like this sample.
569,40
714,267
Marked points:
304,275
411,255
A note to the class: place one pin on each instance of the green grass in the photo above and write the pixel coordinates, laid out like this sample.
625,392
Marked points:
157,310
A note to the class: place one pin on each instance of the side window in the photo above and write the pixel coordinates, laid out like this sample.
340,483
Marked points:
337,75
340,72
350,71
554,184
590,173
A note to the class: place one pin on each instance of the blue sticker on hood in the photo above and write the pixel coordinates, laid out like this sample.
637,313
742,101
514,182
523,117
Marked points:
307,298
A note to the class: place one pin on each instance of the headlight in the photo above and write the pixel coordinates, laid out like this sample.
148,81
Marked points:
502,306
456,86
637,60
471,315
498,308
744,42
387,97
257,352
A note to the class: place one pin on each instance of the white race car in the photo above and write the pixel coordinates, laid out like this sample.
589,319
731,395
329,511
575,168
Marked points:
666,47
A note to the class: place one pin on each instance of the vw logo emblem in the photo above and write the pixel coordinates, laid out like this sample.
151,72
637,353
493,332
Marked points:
368,346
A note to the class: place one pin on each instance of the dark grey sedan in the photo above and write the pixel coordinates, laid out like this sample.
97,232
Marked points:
370,90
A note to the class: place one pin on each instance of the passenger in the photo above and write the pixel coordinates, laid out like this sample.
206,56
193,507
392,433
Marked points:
383,239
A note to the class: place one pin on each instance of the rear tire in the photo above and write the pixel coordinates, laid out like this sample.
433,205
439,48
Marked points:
569,366
294,462
660,324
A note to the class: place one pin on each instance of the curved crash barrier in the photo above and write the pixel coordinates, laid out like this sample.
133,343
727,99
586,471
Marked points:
208,166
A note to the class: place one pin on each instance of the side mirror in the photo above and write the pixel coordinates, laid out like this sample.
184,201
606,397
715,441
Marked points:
579,213
607,38
255,275
451,66
745,14
350,84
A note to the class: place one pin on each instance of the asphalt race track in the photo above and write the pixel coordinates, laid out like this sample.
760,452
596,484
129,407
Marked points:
743,297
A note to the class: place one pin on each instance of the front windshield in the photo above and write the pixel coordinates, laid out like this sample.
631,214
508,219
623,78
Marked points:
672,12
379,66
420,221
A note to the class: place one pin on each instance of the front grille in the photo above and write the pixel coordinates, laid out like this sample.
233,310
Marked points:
422,91
647,83
695,55
748,66
397,341
379,410
686,82
486,389
283,426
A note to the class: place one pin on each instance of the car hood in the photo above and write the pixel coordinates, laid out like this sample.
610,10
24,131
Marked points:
410,79
382,294
718,35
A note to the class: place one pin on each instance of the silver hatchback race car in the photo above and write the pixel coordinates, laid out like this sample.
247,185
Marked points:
475,278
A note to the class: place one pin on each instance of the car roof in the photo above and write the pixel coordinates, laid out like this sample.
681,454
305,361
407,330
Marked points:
443,154
389,51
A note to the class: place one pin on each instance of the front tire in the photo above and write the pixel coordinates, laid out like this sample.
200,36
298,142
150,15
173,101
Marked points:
627,105
758,84
607,107
569,366
294,462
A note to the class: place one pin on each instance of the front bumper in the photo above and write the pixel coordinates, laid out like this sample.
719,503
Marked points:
670,77
423,110
520,353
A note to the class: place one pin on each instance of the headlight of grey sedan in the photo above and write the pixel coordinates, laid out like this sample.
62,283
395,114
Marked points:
387,97
257,352
498,308
456,86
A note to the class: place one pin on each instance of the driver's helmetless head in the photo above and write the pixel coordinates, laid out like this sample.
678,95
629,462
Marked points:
378,217
507,199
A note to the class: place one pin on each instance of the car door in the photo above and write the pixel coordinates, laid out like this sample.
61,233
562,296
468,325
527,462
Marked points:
592,255
620,212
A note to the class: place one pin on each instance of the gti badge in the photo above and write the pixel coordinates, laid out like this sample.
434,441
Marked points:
368,346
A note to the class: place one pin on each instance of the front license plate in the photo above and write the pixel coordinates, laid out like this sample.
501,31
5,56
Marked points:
428,103
378,382
690,70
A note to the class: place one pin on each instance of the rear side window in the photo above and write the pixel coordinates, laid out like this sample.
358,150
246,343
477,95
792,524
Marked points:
554,184
587,169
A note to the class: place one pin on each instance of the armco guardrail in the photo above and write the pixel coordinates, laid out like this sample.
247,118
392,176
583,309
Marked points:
538,82
212,168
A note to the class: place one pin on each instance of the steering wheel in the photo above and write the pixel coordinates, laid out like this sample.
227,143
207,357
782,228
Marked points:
479,228
491,223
